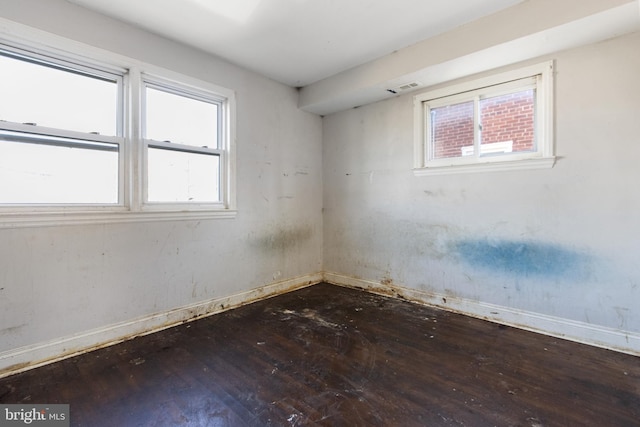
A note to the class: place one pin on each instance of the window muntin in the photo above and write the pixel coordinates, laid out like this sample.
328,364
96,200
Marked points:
182,138
487,123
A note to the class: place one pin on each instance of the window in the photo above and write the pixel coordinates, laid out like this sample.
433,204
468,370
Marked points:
182,139
499,122
83,140
60,132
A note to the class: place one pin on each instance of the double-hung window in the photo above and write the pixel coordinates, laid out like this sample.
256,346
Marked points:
183,132
499,122
83,140
61,132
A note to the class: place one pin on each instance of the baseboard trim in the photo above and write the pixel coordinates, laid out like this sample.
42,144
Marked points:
599,336
32,356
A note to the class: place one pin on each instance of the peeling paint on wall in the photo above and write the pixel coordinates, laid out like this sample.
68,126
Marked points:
524,258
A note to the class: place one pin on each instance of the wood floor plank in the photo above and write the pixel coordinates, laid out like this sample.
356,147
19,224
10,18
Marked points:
331,356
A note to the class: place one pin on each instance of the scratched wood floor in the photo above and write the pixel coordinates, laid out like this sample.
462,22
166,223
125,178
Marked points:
331,356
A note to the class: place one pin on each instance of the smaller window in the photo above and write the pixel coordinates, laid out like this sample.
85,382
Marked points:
499,122
184,145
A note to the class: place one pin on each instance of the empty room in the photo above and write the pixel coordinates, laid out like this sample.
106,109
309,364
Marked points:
312,212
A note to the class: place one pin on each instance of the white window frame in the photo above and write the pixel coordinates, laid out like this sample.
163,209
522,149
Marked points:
539,76
195,92
131,206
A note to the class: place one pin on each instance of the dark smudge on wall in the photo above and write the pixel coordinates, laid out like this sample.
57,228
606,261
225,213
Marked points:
283,238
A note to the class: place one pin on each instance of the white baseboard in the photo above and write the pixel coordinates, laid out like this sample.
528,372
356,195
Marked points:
31,356
28,357
599,336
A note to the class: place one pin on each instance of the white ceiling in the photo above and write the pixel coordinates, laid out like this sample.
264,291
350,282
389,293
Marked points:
298,42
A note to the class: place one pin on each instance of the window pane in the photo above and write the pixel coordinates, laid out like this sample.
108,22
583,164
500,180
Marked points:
50,97
508,123
451,130
178,176
40,173
179,119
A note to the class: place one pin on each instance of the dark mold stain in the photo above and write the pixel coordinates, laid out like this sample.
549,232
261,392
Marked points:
12,329
524,258
284,238
438,193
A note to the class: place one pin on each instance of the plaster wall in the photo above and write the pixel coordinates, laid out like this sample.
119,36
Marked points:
61,281
560,242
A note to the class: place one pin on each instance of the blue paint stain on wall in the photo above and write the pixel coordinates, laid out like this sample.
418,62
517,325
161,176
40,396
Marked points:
524,258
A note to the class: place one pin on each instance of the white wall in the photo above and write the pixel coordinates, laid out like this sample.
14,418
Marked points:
561,243
57,282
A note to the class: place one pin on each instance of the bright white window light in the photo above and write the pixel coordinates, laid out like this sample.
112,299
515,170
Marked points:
182,140
52,96
180,119
60,139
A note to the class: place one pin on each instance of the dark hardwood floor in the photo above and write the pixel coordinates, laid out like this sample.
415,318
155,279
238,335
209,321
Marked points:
331,356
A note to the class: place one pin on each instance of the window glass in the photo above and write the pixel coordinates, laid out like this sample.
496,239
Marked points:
180,176
451,129
508,123
50,96
43,107
64,173
181,119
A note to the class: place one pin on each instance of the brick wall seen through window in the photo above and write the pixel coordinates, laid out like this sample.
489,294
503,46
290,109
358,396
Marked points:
507,117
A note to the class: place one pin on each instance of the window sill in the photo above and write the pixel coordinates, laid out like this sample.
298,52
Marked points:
507,165
51,219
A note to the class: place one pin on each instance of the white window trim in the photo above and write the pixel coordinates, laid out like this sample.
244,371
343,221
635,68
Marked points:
197,91
543,158
130,207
